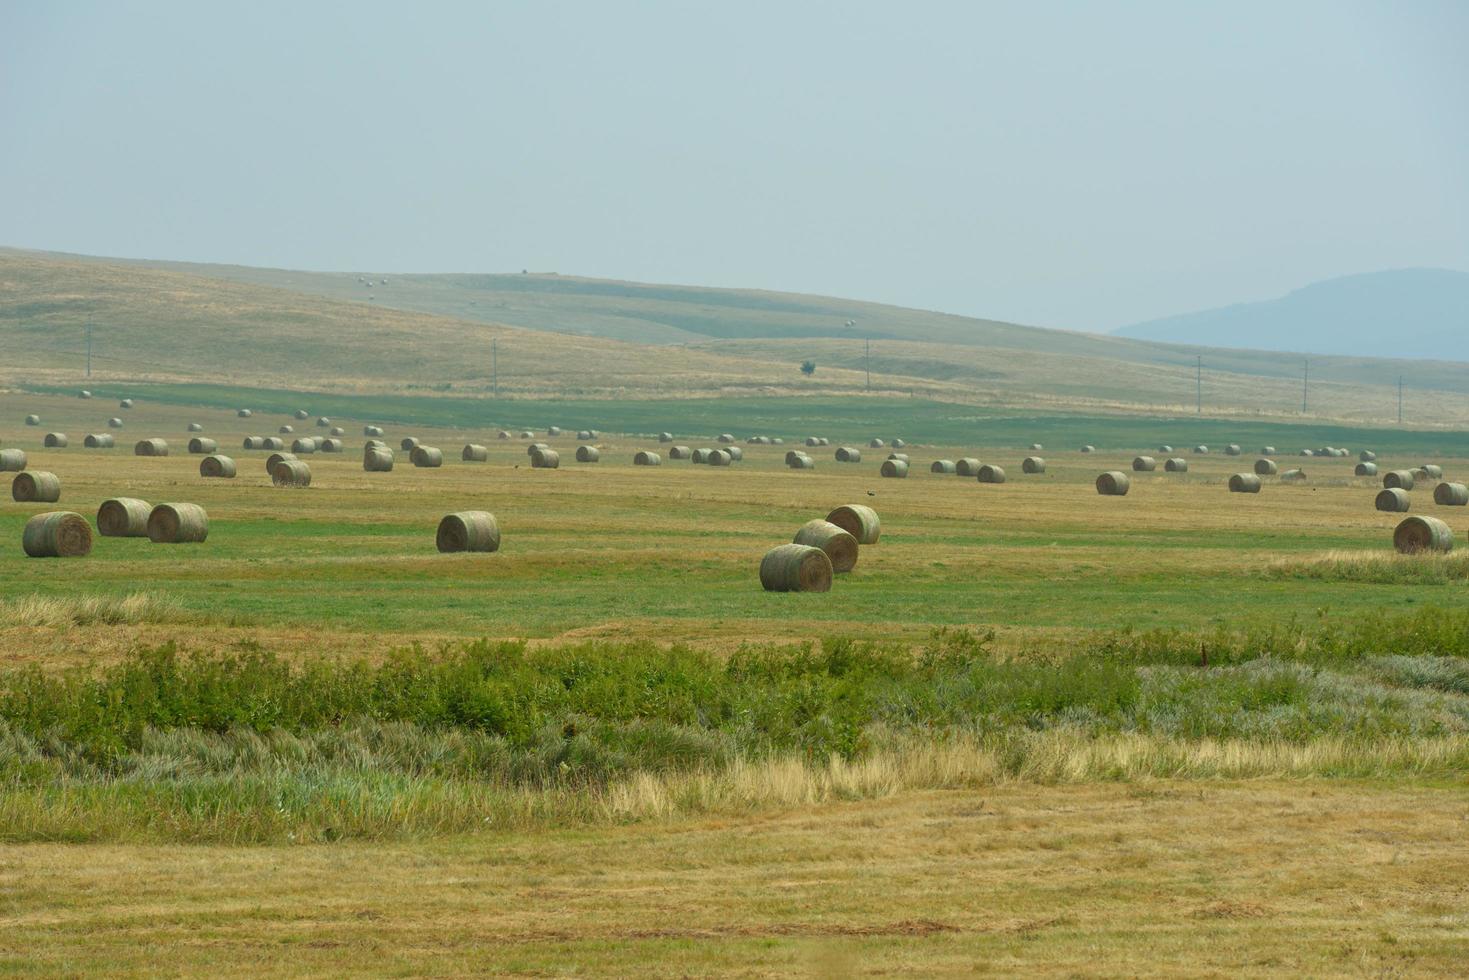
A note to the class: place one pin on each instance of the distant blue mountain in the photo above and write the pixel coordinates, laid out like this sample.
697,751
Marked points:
1416,313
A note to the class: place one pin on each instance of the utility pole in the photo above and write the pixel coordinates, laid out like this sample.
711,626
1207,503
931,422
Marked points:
1305,386
495,366
868,362
89,350
1199,383
1400,399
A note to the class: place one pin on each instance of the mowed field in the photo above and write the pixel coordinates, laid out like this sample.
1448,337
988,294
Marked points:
1117,806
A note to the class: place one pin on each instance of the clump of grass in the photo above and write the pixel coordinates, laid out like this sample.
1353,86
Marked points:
131,609
1378,567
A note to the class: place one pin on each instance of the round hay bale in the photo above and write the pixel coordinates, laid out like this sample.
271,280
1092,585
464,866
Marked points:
802,462
645,458
502,434
1367,456
193,427
275,458
966,466
720,457
858,520
330,445
848,454
876,444
1398,480
554,430
99,440
824,441
302,415
735,453
527,434
795,568
125,403
1176,464
376,431
587,454
33,420
36,487
1088,449
1293,476
1113,483
899,456
1201,450
293,473
468,530
55,440
336,432
244,413
378,459
273,443
178,524
202,445
701,455
1451,495
1394,501
221,467
373,444
123,517
793,454
1244,483
408,444
304,446
990,473
475,453
588,434
1365,469
942,466
1307,453
286,430
84,393
1432,470
1233,449
323,423
1416,534
813,441
895,468
1165,449
426,457
58,534
1267,451
1036,447
724,438
1144,464
898,444
1266,467
840,546
254,442
680,452
665,437
12,460
536,447
1032,464
545,459
114,423
151,447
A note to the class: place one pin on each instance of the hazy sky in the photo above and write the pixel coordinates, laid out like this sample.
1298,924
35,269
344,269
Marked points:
1066,164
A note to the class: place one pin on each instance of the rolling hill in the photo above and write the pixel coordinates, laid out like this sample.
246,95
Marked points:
1421,313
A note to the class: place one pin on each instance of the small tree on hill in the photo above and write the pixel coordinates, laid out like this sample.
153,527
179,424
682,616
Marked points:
808,368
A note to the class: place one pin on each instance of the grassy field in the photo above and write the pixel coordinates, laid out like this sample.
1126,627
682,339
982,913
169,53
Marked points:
1036,729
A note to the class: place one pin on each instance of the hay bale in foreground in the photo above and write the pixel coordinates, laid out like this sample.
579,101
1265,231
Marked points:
1113,483
680,452
545,459
1244,483
304,446
217,467
895,468
36,487
839,545
1418,534
645,458
150,447
377,459
178,524
1365,469
123,517
1032,464
1394,501
942,466
966,466
114,423
426,457
1175,465
12,460
990,473
587,454
55,440
1398,480
1144,464
58,534
200,446
294,473
475,453
99,440
376,431
848,454
795,568
1266,467
468,530
1451,495
858,520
